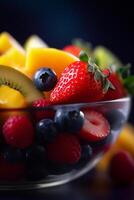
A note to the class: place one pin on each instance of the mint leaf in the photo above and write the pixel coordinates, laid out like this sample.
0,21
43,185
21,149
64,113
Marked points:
124,71
129,84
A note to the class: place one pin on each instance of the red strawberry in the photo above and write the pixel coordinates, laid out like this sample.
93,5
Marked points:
42,114
119,91
18,131
122,167
11,171
65,149
75,50
80,82
95,127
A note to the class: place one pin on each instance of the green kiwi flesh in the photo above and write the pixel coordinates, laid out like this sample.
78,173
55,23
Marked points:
20,82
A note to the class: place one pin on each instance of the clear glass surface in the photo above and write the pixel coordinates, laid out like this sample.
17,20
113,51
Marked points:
115,111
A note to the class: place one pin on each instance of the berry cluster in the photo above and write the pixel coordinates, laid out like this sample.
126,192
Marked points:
54,141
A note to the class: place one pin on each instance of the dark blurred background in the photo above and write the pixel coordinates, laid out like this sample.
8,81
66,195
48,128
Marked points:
58,22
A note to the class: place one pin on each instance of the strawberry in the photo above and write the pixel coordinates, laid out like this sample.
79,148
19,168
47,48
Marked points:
121,167
65,149
75,50
80,82
119,91
18,131
95,127
42,114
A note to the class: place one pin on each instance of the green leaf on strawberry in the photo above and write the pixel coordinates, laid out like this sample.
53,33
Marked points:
83,56
129,84
98,75
127,79
124,71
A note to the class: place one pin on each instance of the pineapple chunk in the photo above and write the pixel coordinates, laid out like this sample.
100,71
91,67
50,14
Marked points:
7,41
34,42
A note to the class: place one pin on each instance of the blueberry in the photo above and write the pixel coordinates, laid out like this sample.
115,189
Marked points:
45,79
115,118
36,172
46,130
35,154
13,155
69,120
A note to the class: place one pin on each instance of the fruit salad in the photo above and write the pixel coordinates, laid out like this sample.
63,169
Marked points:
59,108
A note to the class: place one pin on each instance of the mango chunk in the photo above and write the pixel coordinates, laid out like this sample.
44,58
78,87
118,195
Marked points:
10,98
7,41
47,57
13,58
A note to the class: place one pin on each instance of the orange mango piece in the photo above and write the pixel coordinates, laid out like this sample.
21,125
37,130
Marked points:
13,58
55,59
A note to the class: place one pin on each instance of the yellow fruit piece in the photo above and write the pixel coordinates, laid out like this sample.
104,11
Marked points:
13,58
125,141
34,42
47,57
10,98
7,41
104,162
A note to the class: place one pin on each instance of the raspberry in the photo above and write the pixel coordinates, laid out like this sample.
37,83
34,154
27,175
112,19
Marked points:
11,171
18,131
42,114
122,167
65,149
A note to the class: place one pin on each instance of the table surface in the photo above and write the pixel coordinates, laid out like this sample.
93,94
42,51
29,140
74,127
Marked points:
91,186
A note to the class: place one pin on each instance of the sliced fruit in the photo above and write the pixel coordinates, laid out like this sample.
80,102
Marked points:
34,42
55,59
7,41
13,58
105,58
124,142
10,98
95,127
126,139
18,81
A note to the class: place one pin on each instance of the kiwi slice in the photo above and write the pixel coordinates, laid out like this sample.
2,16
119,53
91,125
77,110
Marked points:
18,81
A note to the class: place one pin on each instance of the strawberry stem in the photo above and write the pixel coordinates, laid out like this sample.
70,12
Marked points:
98,74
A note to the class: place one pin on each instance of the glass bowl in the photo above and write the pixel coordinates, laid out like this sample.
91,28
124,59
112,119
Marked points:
22,174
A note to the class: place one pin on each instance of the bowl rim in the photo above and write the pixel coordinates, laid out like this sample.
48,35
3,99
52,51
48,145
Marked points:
72,105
